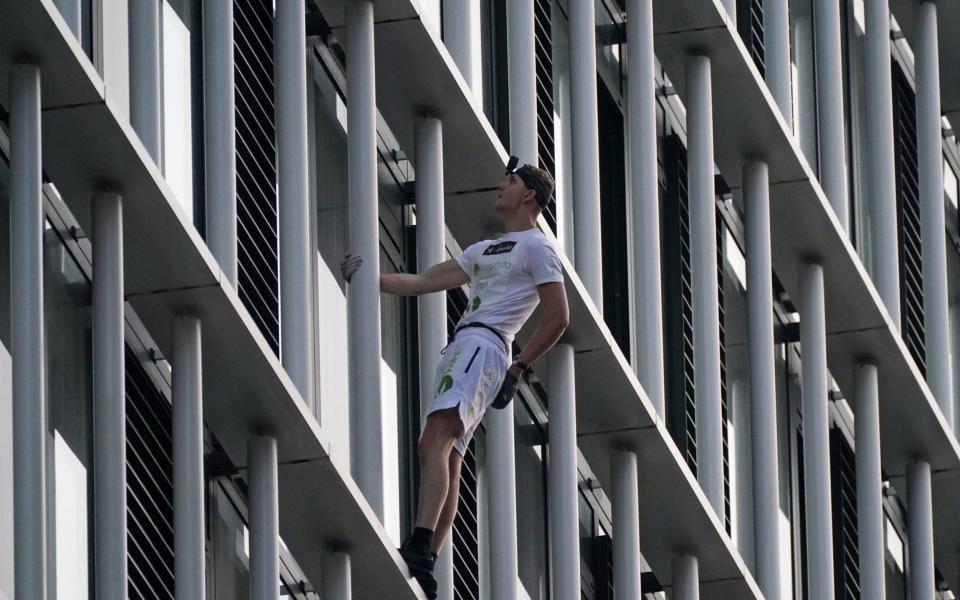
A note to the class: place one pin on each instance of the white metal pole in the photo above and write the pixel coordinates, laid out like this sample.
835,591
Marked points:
626,525
461,25
870,519
432,308
562,476
920,531
880,154
816,441
264,518
523,81
27,333
71,13
936,319
363,295
109,400
706,303
219,117
644,204
833,158
776,55
336,571
144,39
585,147
763,391
296,281
188,494
686,578
502,499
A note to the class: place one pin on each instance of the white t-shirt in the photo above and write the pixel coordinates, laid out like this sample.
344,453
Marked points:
504,275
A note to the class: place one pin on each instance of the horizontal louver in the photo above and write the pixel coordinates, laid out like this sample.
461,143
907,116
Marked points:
544,67
258,279
750,26
846,554
466,549
678,303
149,487
908,216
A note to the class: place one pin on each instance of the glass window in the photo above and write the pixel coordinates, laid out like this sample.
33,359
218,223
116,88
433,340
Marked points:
179,30
6,394
533,549
950,183
70,400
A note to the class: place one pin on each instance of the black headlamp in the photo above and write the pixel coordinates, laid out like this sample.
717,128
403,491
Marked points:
542,194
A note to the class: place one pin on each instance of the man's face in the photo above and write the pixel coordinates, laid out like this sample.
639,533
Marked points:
511,194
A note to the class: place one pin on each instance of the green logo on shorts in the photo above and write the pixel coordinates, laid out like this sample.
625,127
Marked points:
475,304
446,382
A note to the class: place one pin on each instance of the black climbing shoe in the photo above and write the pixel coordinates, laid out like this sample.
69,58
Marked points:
420,562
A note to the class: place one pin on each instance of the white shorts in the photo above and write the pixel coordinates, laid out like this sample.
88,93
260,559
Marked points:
469,375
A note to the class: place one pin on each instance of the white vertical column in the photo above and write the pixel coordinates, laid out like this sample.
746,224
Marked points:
585,146
706,303
264,518
296,283
27,333
882,182
501,450
920,530
730,6
740,452
932,228
461,26
432,308
562,476
816,441
188,499
219,116
686,578
363,295
829,85
502,499
626,525
644,204
955,361
70,11
776,55
144,23
763,391
523,81
109,400
869,482
335,569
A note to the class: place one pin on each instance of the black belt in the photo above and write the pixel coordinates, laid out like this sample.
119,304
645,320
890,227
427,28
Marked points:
482,326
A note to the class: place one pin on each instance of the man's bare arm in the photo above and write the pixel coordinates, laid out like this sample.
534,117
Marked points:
553,322
438,278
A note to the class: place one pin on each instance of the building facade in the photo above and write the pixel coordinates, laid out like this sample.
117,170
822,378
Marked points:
757,212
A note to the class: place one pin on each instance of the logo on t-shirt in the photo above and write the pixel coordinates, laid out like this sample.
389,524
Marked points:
501,248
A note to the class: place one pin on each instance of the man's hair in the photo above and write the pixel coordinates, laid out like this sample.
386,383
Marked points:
538,180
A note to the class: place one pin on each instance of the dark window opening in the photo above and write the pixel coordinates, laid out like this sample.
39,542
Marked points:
613,219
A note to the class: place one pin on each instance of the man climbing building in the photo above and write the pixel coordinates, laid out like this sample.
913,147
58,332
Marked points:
508,277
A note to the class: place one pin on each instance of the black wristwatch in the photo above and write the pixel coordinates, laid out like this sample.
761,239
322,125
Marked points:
524,367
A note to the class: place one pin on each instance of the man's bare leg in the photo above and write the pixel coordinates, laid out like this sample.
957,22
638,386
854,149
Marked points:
449,512
436,446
